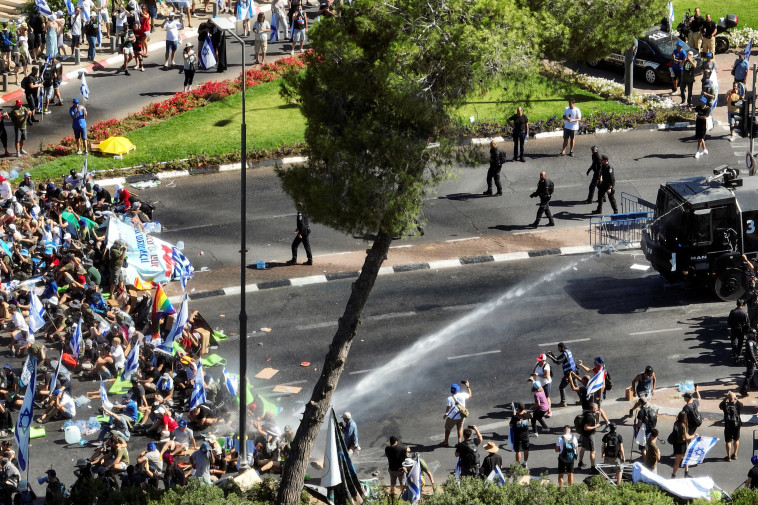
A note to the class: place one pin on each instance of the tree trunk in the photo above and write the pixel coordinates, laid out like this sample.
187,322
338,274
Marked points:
316,409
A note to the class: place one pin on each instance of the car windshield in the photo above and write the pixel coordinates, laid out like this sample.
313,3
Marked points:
665,43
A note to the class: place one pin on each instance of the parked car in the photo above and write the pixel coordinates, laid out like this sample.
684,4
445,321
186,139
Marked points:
653,61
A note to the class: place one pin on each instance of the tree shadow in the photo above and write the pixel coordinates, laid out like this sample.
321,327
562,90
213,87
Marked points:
462,197
511,227
665,156
158,93
707,336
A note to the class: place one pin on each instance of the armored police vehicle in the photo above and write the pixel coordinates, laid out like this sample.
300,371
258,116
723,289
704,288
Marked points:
701,227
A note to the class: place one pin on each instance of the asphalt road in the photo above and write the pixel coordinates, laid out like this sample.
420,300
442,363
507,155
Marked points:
642,161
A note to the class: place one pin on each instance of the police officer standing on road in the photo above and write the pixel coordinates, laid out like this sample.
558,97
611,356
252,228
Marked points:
751,358
607,184
303,232
738,323
545,191
566,360
595,169
497,158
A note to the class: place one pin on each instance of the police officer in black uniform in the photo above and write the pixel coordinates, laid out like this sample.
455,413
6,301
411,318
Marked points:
303,232
545,192
751,358
595,169
738,323
607,185
497,158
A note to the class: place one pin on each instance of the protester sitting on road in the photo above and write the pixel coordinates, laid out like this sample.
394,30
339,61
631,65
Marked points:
61,407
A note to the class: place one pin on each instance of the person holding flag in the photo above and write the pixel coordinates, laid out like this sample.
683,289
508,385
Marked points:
207,54
413,483
589,423
78,114
492,461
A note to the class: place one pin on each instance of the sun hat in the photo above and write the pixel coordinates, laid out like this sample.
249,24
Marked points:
491,447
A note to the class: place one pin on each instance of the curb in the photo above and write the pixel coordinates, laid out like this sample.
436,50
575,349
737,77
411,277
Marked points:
432,265
714,416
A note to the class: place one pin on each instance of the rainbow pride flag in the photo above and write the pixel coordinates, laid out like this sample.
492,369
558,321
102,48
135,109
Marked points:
161,306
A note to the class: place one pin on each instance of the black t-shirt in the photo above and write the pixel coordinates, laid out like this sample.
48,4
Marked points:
608,450
490,462
586,402
753,475
519,123
703,111
588,418
520,423
707,28
395,456
696,23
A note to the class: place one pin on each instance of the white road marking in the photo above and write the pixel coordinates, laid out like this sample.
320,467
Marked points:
401,246
511,256
655,331
378,317
311,279
461,356
462,239
549,344
434,265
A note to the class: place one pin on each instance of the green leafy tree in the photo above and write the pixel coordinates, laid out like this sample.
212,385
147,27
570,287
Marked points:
382,85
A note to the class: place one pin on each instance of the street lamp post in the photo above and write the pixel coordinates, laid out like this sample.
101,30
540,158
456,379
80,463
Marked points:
229,25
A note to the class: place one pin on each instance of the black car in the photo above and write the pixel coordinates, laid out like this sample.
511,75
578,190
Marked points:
653,61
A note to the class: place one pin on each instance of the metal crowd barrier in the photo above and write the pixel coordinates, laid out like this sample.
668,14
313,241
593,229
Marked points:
619,230
633,203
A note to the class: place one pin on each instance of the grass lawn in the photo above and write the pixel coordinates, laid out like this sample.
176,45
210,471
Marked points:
214,129
746,10
540,98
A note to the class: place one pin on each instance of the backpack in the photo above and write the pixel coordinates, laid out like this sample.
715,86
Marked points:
730,415
579,423
651,418
550,187
608,381
693,416
568,454
611,445
671,439
5,40
469,458
501,157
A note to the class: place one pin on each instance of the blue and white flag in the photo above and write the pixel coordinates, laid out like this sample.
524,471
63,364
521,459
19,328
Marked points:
243,10
511,431
176,330
182,267
26,371
496,476
70,7
83,88
54,381
36,313
457,471
671,15
198,391
85,14
748,50
76,340
132,363
24,421
274,37
107,404
207,56
596,383
697,450
45,10
232,383
41,95
414,483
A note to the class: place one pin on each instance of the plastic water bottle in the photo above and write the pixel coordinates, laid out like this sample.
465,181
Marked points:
180,245
118,157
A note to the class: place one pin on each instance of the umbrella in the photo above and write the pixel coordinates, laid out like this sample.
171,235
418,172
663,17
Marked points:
116,145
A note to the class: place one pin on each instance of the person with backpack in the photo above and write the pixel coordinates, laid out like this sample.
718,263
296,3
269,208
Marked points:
732,409
544,190
606,185
612,451
497,158
751,359
6,46
647,419
520,425
466,451
567,448
299,28
586,424
25,495
643,386
455,411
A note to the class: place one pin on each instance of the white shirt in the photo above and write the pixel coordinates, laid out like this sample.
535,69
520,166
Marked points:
76,24
570,113
68,404
19,322
117,353
5,190
562,441
121,18
453,412
260,34
86,6
172,30
539,370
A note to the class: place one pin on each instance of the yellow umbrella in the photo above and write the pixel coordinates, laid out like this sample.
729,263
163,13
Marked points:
116,145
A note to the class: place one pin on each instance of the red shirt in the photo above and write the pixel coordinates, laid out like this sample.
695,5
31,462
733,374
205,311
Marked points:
170,423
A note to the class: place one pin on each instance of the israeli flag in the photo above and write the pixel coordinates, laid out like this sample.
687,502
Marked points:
596,383
671,14
207,58
274,29
70,7
697,451
511,431
748,50
40,96
457,471
198,391
76,340
54,381
24,421
232,384
85,15
132,363
107,404
45,10
496,476
26,371
176,330
83,88
414,483
243,10
36,314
